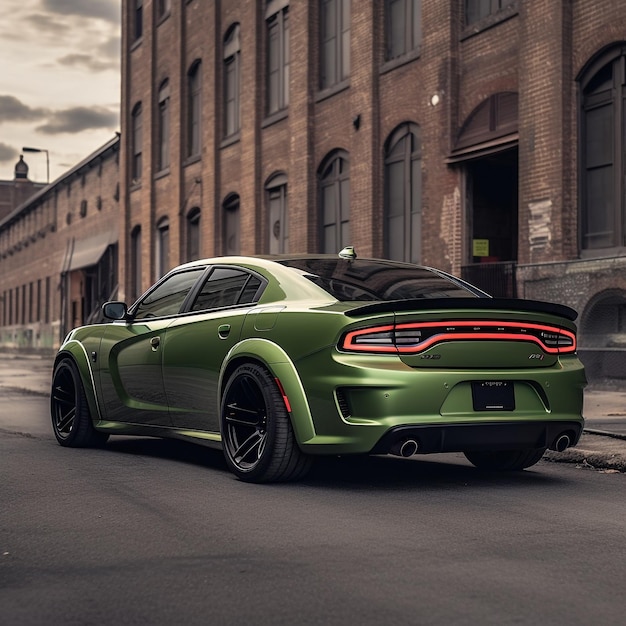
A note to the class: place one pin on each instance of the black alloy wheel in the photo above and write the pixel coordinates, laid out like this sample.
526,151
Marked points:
71,419
258,439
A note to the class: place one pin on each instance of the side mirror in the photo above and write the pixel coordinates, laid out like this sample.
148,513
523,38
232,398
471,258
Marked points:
115,310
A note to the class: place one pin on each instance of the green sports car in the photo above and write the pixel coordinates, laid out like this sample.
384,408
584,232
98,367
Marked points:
279,359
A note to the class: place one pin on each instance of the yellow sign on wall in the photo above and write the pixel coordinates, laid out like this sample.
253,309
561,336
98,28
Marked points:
480,247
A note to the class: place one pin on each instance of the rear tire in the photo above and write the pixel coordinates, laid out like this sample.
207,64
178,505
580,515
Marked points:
505,460
257,436
71,418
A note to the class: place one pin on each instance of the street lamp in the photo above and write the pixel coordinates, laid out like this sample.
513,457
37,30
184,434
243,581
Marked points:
47,160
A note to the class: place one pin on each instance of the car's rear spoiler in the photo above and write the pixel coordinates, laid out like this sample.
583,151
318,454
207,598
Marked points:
487,304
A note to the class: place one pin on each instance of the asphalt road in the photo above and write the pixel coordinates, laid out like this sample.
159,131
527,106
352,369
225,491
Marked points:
155,532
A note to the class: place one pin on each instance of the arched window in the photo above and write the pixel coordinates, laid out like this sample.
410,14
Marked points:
603,150
135,263
232,63
403,195
162,247
276,193
403,27
164,126
135,167
231,225
194,101
334,177
193,234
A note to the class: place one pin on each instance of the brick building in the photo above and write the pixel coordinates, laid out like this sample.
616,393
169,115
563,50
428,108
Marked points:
58,253
485,137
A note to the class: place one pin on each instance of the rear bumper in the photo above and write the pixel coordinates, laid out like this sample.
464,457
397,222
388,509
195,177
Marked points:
484,436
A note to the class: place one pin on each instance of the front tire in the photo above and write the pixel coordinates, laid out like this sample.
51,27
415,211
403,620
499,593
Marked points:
258,439
71,418
505,460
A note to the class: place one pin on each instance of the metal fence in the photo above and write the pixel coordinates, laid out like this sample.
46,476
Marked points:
497,279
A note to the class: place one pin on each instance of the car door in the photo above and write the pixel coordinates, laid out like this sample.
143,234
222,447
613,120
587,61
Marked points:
130,359
197,343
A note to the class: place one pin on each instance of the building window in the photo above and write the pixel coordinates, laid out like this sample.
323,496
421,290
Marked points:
138,19
403,27
232,61
193,234
335,203
136,140
164,126
277,20
135,263
194,102
162,248
276,192
476,10
231,225
163,8
335,42
603,150
403,195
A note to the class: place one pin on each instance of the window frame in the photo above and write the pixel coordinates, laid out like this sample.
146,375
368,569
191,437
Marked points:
163,145
137,141
412,14
614,97
193,238
232,82
338,42
333,174
276,189
231,217
162,247
277,28
194,110
474,11
410,157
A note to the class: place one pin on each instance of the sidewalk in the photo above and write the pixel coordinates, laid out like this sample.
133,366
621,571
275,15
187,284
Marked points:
601,448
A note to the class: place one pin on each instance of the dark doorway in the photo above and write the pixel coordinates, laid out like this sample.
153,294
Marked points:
492,207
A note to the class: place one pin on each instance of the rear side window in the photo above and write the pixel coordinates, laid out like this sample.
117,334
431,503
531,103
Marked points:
227,287
168,296
372,280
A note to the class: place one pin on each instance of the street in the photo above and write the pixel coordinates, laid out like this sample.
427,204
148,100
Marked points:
159,532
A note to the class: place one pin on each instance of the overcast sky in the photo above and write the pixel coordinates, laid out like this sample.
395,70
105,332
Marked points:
59,81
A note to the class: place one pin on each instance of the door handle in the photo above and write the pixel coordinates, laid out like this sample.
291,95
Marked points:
154,343
223,331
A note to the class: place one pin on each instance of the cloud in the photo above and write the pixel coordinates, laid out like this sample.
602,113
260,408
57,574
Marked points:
78,119
7,153
13,110
108,10
89,62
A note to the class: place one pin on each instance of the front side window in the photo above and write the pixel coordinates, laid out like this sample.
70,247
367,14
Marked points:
603,150
232,62
476,10
335,42
136,144
231,225
164,126
403,195
194,110
403,27
335,203
227,287
167,297
277,58
276,190
162,247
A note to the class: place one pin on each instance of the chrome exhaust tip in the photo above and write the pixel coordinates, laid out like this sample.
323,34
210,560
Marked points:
562,442
405,448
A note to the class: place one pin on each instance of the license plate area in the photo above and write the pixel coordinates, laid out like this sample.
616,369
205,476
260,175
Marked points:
493,395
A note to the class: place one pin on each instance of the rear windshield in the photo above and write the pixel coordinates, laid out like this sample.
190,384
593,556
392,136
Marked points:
373,280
